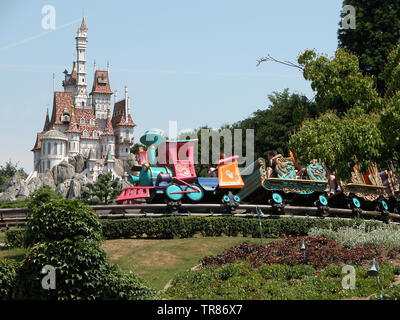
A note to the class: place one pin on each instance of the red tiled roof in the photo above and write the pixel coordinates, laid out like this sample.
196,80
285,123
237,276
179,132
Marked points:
102,85
38,143
72,127
86,114
108,130
62,100
118,118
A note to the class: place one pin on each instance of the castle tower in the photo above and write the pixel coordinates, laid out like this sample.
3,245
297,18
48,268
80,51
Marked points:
73,135
81,98
108,138
101,97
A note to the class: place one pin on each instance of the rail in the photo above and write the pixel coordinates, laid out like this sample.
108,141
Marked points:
16,216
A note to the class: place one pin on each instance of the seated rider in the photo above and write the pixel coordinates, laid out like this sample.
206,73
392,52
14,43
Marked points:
272,156
332,182
213,171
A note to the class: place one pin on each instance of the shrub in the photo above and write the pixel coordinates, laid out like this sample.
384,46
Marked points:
82,272
320,253
271,282
66,234
42,195
15,237
56,220
183,227
8,274
387,236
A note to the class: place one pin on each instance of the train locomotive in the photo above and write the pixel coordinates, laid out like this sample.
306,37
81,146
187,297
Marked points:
168,175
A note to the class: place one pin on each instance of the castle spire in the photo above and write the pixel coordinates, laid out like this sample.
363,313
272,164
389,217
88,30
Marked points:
83,26
81,99
47,121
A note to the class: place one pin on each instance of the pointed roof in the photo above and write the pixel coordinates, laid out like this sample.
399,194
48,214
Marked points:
118,118
47,121
83,26
101,83
72,127
38,143
61,101
72,77
108,130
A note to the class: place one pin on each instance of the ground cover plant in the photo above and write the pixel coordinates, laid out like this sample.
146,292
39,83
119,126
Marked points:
384,235
278,270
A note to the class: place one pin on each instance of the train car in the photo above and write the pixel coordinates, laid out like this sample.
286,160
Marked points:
373,190
168,175
284,186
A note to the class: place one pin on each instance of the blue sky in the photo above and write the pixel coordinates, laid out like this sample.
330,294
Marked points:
189,61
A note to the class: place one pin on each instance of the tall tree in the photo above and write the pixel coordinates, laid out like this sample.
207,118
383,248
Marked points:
376,32
273,125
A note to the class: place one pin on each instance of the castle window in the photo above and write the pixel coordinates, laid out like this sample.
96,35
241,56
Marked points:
94,133
82,121
85,133
92,122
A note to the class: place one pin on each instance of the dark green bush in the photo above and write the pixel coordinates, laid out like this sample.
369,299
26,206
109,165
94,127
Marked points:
56,220
8,275
42,195
82,272
15,237
184,227
66,235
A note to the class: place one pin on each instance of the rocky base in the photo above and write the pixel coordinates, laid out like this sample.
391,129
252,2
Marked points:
65,178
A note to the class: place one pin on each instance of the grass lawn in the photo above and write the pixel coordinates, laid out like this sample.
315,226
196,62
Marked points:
158,261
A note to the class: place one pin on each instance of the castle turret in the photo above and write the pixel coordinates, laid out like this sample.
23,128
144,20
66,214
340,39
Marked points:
81,99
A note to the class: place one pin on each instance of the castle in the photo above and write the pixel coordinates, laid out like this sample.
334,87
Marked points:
82,123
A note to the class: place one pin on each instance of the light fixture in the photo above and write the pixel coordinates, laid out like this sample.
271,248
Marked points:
374,272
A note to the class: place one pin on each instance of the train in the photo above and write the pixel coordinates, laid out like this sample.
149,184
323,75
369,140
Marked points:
167,175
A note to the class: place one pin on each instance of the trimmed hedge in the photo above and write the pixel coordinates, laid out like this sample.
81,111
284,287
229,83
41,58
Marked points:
184,227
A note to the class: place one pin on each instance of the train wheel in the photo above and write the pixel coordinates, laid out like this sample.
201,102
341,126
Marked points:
195,196
171,192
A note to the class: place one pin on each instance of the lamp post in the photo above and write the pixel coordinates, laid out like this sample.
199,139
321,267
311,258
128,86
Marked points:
374,272
303,249
260,214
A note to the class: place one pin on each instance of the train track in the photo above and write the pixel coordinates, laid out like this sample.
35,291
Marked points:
18,216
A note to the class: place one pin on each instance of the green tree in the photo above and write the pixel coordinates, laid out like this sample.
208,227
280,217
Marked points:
376,33
338,82
8,171
340,142
104,190
273,125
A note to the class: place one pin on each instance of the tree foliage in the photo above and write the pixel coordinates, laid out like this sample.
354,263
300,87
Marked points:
8,171
104,190
338,82
274,124
376,33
